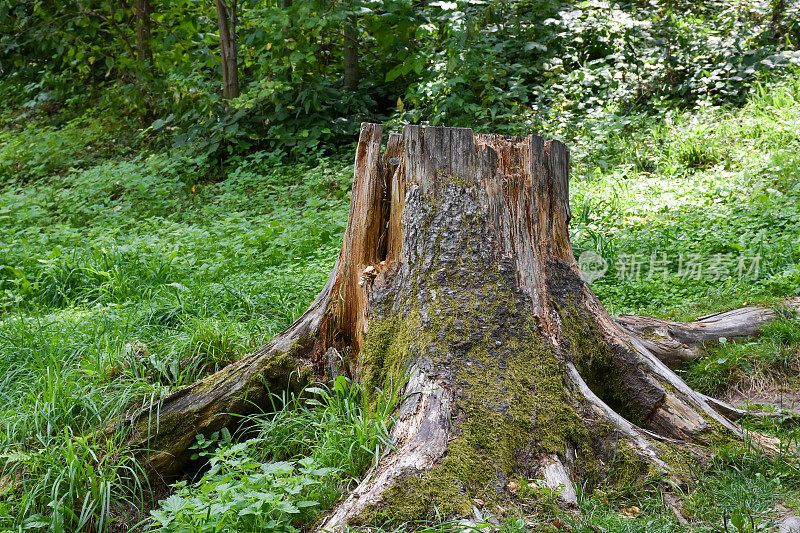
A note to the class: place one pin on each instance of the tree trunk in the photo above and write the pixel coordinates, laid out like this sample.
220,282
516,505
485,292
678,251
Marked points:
351,52
226,16
457,279
778,9
143,31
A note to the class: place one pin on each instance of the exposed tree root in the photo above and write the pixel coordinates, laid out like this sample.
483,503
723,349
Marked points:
163,433
785,416
678,342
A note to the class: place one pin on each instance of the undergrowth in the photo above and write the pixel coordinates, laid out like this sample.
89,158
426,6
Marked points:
297,461
124,277
679,238
127,279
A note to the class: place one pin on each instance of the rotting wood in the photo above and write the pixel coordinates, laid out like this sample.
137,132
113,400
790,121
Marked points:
678,342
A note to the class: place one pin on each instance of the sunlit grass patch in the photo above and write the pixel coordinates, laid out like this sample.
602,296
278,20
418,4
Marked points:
720,187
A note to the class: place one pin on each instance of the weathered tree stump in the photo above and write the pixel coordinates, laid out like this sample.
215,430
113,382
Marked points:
456,277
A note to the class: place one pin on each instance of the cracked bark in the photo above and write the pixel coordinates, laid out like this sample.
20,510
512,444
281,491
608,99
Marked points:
226,19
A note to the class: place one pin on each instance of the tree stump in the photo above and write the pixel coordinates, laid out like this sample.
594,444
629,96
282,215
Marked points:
457,280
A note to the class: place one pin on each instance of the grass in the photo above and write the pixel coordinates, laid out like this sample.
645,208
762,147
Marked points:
673,230
298,460
770,362
126,279
125,274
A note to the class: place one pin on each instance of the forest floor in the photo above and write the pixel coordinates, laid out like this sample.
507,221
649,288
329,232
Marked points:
127,273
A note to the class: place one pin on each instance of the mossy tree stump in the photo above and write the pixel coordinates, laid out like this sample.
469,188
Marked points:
457,279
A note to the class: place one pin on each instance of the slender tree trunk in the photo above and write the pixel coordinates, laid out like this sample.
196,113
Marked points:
351,74
226,16
456,281
286,4
143,31
778,10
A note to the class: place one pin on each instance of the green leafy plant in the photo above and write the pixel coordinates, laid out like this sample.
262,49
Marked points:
240,494
301,460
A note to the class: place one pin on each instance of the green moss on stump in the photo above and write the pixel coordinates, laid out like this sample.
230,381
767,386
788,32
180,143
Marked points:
628,470
385,353
511,400
467,324
596,363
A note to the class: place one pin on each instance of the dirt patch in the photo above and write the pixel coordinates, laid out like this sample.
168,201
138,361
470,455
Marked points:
781,397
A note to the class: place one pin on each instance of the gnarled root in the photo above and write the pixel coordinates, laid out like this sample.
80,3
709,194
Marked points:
162,433
678,342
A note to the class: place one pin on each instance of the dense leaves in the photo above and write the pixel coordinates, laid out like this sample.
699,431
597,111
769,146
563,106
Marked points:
487,64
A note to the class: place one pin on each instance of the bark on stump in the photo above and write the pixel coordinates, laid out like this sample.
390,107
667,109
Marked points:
456,278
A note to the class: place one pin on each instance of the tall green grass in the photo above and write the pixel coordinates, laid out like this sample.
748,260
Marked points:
714,183
123,278
298,461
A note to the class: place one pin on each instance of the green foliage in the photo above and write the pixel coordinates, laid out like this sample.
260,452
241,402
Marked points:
732,363
741,489
40,149
652,202
302,459
567,69
125,279
339,426
240,494
63,478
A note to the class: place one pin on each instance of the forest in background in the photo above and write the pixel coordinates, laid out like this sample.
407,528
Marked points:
299,77
154,229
